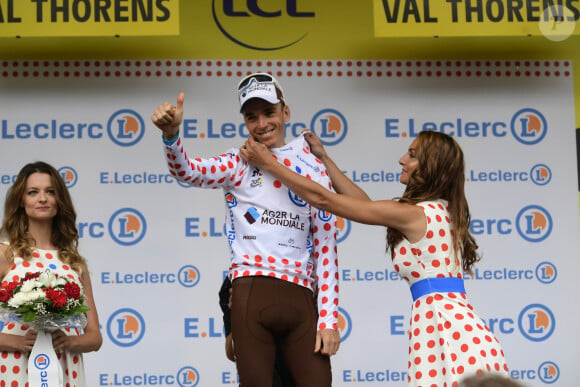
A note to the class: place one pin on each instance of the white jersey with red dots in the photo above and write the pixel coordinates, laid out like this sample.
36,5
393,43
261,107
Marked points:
448,340
14,365
270,231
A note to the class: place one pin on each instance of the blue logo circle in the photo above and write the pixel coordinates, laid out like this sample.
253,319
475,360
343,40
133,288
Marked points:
330,126
126,127
127,226
529,126
187,377
540,174
546,272
548,372
126,327
534,223
297,200
188,276
69,175
536,322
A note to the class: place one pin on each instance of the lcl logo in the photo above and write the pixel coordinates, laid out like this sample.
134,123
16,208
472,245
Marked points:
273,26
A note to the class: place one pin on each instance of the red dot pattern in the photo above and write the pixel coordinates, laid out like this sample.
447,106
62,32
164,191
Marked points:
447,340
334,69
247,187
14,365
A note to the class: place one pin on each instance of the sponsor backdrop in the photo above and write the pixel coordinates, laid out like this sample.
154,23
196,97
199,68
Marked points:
157,250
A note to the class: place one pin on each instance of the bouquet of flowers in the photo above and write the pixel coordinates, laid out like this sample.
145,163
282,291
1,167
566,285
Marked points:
44,300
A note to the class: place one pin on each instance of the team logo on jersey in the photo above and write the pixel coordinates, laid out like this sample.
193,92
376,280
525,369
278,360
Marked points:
252,215
126,327
231,200
297,200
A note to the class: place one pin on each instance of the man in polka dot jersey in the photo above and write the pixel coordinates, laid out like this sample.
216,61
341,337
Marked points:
284,266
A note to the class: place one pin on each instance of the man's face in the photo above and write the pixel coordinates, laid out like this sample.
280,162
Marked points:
266,121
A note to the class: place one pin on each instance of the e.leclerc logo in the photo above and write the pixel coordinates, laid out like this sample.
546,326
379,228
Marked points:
185,377
124,127
539,174
41,361
187,276
69,175
283,23
126,327
533,223
126,227
330,125
544,272
528,126
344,324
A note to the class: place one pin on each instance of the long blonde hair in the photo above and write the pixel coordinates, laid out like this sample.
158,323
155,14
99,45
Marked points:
441,175
15,223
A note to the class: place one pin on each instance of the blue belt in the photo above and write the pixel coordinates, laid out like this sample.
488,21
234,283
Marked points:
437,285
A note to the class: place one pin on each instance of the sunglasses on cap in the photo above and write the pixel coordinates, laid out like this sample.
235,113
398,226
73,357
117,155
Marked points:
260,77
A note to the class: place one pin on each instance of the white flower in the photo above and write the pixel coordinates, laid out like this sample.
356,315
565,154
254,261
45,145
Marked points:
48,279
30,285
22,298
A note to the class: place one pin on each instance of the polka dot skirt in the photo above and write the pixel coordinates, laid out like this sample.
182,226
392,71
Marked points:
14,365
447,340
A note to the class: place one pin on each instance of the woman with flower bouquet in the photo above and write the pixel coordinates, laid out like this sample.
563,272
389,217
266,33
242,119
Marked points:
45,283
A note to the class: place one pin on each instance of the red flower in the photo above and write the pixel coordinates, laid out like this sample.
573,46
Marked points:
11,286
5,295
29,276
58,297
72,290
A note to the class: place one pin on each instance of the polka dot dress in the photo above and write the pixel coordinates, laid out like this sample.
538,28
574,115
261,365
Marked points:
14,365
447,340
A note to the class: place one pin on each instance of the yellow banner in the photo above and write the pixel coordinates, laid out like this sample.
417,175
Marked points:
555,19
88,18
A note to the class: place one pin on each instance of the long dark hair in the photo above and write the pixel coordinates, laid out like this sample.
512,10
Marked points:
64,236
440,174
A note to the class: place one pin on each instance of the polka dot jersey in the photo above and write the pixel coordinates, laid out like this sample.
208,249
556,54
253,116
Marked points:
447,340
271,231
14,365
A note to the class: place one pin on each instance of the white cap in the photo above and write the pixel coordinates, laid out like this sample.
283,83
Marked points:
259,85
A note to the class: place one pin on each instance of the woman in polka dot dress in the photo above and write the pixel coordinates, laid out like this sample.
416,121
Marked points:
39,224
431,246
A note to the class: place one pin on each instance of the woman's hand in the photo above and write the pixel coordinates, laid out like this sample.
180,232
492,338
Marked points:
61,342
316,146
17,343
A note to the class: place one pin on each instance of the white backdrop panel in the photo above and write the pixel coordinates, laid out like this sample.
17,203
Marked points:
157,252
